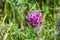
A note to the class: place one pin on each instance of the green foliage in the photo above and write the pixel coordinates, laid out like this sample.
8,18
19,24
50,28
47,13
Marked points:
13,24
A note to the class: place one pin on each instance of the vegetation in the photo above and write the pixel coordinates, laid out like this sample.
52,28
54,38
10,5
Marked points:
13,23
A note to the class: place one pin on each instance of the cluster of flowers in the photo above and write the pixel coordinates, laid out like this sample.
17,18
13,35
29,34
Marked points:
34,19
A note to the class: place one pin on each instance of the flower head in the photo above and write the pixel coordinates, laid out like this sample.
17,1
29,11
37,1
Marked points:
34,19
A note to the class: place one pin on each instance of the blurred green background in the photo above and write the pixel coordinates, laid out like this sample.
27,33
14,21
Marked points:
13,24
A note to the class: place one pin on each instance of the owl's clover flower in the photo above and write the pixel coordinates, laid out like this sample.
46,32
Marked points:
34,19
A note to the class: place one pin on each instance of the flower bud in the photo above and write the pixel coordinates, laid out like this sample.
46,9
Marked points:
34,19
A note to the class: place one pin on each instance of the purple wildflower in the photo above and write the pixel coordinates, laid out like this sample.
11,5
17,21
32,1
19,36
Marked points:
34,19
